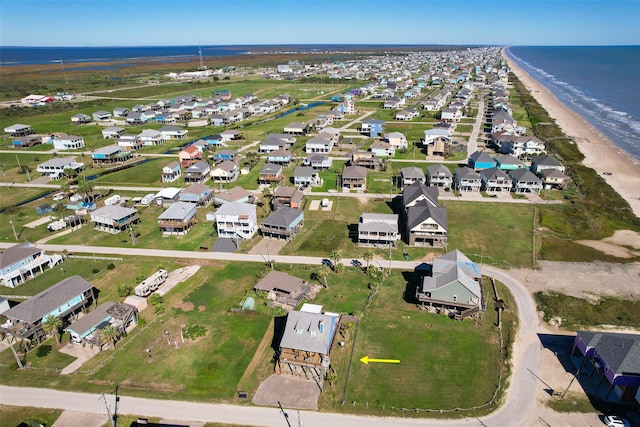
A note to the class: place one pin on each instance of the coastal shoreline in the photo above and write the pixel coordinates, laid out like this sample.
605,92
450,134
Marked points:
600,152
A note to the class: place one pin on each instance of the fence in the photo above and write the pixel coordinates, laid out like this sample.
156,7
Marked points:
93,257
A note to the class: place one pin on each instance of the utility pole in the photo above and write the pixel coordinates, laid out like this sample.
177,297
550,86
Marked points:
284,414
111,418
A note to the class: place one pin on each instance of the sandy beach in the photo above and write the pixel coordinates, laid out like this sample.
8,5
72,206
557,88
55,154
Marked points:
600,152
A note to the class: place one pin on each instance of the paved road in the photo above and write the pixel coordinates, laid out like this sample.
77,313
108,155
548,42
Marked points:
519,403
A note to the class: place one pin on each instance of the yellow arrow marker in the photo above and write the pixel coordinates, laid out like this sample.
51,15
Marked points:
366,360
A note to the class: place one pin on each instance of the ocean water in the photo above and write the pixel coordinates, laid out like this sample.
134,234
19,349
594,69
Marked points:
601,83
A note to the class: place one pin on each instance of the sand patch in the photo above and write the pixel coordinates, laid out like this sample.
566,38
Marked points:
621,244
186,306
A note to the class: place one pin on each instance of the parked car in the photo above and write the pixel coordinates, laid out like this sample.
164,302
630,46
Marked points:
58,196
616,421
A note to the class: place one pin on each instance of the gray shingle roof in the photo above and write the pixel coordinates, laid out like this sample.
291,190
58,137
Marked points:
283,217
302,332
43,303
621,352
419,190
278,281
422,211
16,253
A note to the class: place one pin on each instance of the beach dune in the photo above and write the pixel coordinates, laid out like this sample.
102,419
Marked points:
599,151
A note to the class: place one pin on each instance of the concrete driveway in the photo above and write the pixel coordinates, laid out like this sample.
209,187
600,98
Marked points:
290,392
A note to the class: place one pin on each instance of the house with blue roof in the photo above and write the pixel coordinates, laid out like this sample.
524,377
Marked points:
481,160
372,127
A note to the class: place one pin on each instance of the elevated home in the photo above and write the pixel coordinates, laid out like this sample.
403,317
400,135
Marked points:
305,347
378,229
223,155
276,142
454,283
26,141
407,114
55,167
121,112
372,127
523,146
87,329
616,357
366,159
114,218
167,196
495,180
137,118
411,174
178,219
226,171
426,225
113,132
318,145
284,223
353,178
481,160
150,137
171,172
101,116
507,162
236,220
282,288
382,149
111,154
18,130
439,176
230,135
129,142
451,115
306,175
296,128
289,197
67,142
397,140
524,181
80,119
553,178
199,194
171,132
279,157
21,262
543,162
235,194
189,156
269,173
65,300
418,191
319,161
198,172
467,179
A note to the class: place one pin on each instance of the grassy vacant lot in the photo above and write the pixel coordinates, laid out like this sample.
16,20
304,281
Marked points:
12,416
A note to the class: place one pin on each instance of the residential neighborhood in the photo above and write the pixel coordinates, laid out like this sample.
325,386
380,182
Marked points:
317,223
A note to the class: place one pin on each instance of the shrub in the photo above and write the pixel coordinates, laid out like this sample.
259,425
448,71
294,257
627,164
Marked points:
43,351
110,266
194,331
95,270
124,290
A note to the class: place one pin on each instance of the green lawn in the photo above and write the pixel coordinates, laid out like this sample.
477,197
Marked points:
12,416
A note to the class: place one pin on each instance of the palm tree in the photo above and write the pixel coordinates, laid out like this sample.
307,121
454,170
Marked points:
324,272
267,194
85,187
52,325
367,256
335,258
109,335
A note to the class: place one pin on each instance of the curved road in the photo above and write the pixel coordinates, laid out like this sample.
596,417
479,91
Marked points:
519,402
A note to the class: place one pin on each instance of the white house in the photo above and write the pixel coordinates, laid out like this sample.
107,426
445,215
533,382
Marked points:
68,142
236,220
